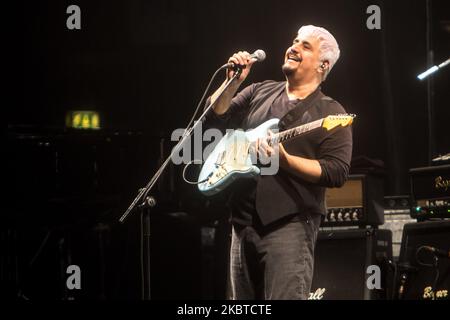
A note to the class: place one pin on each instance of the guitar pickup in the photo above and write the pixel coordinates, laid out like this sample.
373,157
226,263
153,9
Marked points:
220,158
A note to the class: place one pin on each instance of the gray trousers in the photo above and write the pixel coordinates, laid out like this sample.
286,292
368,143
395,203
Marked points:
273,264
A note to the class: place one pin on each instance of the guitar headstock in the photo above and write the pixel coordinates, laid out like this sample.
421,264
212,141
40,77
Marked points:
344,120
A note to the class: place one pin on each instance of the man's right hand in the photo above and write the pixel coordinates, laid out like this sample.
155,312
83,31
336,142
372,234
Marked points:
222,104
244,59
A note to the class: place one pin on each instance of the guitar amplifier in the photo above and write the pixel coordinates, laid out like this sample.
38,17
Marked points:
430,190
359,202
422,275
343,260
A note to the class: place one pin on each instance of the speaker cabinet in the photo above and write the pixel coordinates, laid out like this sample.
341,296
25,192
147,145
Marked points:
421,276
342,261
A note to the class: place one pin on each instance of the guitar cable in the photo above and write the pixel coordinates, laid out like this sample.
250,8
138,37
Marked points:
184,173
149,186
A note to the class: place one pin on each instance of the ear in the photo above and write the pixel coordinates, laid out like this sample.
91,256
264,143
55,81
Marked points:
325,65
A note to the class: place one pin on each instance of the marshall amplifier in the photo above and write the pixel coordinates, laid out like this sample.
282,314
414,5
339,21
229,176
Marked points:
346,259
430,190
359,202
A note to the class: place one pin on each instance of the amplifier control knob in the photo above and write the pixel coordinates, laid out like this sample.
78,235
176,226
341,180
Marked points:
347,216
332,216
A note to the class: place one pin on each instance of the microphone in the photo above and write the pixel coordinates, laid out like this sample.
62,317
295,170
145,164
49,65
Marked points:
438,252
259,55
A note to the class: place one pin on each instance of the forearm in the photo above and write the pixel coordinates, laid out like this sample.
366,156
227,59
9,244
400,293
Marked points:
307,169
331,169
244,59
224,101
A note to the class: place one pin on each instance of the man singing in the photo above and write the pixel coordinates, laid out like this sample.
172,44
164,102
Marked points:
275,218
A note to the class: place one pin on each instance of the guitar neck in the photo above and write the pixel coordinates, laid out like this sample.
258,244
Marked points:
294,132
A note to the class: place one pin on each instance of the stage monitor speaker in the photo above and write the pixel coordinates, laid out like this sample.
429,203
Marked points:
342,260
416,271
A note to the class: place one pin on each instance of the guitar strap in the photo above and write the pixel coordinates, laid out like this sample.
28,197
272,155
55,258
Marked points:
300,108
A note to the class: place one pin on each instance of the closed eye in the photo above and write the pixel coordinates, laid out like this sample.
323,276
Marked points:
305,44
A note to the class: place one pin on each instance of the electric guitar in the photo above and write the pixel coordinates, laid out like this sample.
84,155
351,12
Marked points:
231,158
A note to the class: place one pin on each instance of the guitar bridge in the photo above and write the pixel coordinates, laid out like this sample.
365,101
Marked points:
218,174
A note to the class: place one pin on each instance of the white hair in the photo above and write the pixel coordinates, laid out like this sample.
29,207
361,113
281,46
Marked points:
328,49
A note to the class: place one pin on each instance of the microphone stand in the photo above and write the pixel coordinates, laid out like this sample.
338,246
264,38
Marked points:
143,202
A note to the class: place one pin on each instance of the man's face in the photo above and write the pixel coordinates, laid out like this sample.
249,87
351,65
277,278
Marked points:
302,58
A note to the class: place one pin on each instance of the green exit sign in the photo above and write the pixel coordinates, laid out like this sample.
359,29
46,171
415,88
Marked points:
83,120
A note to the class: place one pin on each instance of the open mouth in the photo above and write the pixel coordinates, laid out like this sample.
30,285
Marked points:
294,58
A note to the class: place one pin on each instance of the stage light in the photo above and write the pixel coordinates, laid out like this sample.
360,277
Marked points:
425,74
433,69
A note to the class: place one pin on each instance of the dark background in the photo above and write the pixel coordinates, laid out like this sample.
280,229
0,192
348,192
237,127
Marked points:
144,65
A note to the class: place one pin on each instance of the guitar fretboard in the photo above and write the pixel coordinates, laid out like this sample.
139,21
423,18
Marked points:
291,133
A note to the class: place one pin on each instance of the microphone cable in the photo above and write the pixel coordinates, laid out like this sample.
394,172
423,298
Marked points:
203,96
